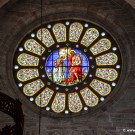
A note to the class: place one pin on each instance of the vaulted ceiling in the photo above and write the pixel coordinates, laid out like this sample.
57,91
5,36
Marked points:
131,2
3,2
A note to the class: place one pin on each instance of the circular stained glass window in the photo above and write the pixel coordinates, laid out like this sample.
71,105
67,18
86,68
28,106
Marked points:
67,66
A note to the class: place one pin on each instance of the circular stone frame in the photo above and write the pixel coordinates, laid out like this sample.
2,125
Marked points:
108,27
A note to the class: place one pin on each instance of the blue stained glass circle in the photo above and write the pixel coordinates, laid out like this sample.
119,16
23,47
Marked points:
67,67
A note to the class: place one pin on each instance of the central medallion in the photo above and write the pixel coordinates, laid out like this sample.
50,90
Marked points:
67,66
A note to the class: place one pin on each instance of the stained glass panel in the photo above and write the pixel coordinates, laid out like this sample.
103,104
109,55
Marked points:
46,37
75,31
75,104
58,104
66,69
33,46
101,87
44,97
59,31
89,97
107,59
31,88
108,74
90,35
25,59
101,46
27,74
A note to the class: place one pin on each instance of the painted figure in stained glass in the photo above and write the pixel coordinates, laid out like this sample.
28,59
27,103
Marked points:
67,66
75,69
58,70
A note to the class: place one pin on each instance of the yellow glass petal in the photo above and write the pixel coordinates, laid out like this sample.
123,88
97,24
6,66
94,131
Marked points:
108,74
45,97
101,46
47,39
90,35
31,88
75,31
58,104
74,102
107,59
59,31
100,87
89,97
27,74
33,46
25,59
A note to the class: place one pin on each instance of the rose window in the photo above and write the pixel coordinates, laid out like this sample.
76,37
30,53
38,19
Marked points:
67,66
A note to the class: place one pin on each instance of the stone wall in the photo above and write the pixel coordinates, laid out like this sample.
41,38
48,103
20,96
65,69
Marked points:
118,17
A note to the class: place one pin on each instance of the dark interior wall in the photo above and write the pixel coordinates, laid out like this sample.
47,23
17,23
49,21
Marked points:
118,17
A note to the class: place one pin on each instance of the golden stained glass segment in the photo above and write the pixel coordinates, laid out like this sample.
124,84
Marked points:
33,46
75,31
25,59
31,88
59,31
89,97
27,74
58,104
101,46
47,39
74,102
100,87
90,35
107,59
44,97
108,74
